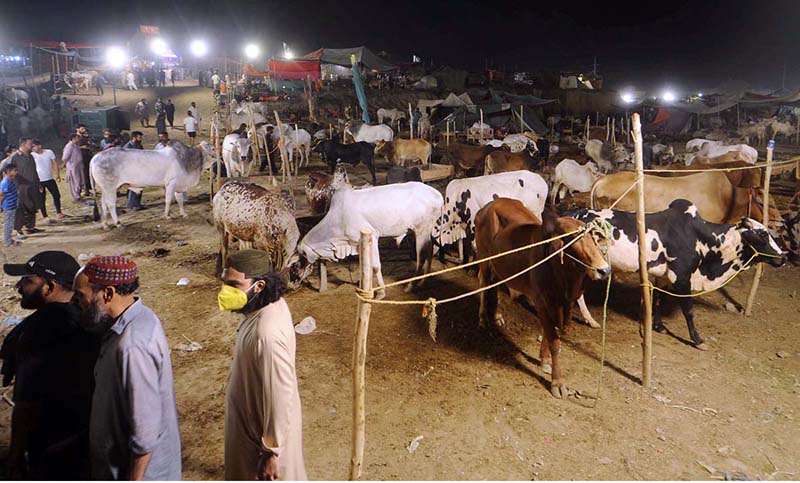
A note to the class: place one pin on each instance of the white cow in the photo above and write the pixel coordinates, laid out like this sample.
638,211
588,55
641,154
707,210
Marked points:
387,211
235,148
520,142
605,155
784,128
464,197
176,167
697,143
18,97
393,115
475,129
298,141
712,151
369,133
571,177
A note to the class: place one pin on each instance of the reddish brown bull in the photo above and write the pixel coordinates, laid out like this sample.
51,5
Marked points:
465,157
502,161
553,287
747,178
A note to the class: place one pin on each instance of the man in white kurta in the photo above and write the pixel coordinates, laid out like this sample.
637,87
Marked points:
263,413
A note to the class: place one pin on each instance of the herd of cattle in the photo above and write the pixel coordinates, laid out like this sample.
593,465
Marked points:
701,227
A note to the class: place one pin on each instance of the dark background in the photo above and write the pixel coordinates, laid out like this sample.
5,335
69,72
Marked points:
684,44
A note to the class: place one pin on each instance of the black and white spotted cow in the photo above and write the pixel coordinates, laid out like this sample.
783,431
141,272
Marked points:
788,233
464,197
686,254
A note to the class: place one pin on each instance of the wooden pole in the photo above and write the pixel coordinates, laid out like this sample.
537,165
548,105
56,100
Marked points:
360,358
521,120
627,129
608,129
797,141
613,131
330,131
218,148
257,149
480,129
299,151
410,122
751,297
311,110
588,127
647,303
447,138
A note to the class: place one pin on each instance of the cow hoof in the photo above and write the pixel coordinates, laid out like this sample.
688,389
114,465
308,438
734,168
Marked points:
499,320
592,323
380,294
659,328
561,391
547,368
701,346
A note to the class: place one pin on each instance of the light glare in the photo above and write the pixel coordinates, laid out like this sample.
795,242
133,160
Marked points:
198,48
668,96
251,51
116,57
158,46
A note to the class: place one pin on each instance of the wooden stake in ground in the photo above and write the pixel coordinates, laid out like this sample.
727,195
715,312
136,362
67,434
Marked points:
217,147
588,127
608,129
360,358
521,120
751,297
410,122
613,131
647,303
310,93
480,129
256,148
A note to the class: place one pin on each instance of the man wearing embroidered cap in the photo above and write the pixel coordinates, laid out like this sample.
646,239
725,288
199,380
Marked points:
51,359
133,432
263,414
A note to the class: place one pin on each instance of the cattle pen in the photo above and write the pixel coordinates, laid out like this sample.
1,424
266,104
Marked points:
365,293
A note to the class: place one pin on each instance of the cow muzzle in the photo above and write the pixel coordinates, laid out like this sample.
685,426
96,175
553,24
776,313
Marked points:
601,273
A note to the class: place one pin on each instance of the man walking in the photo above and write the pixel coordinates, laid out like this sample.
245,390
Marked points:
263,420
143,112
131,81
51,360
86,144
73,160
162,78
215,81
45,165
195,114
134,194
133,429
28,188
161,116
99,82
169,109
190,124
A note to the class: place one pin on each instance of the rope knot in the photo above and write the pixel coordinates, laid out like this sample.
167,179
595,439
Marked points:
429,312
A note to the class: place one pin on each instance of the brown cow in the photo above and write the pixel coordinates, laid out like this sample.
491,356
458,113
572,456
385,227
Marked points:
320,187
715,194
501,161
399,151
750,178
553,287
465,157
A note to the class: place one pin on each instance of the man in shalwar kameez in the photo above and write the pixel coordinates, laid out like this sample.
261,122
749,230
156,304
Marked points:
74,161
263,414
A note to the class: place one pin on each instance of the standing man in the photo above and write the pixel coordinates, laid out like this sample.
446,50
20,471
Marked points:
29,189
131,81
263,420
215,80
161,116
162,78
133,429
190,124
172,76
169,109
45,165
87,144
134,194
99,82
196,114
73,160
143,112
51,360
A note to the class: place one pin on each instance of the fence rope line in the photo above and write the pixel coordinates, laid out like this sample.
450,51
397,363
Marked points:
740,168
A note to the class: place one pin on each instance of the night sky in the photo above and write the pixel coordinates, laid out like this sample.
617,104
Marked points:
686,44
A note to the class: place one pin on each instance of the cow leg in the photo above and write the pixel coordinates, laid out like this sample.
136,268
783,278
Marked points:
376,266
170,189
424,247
687,306
109,202
587,316
487,314
179,199
658,323
557,387
222,254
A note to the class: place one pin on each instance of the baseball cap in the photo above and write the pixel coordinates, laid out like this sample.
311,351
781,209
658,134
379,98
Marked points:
52,265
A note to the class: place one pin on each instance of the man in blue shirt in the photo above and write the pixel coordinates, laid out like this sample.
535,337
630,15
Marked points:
133,429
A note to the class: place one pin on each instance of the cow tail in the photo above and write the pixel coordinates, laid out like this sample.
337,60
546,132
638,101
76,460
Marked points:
554,192
96,209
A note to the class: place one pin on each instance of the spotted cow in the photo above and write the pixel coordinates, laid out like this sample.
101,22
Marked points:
464,197
265,219
321,186
685,253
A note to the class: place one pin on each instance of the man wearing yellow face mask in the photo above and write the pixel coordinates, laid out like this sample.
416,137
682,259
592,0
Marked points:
263,419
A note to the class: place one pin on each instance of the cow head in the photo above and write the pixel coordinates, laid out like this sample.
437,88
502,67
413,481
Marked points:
242,144
786,231
385,149
203,152
297,271
585,251
340,178
760,243
619,154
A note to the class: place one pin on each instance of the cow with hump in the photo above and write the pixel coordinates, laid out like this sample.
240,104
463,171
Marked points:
552,287
387,211
685,253
464,197
263,218
176,167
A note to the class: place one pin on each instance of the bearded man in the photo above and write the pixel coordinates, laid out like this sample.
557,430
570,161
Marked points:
263,414
50,358
133,429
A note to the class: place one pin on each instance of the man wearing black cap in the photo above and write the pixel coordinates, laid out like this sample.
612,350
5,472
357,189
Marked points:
51,360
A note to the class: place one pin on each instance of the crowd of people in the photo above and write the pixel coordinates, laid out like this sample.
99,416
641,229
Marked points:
94,395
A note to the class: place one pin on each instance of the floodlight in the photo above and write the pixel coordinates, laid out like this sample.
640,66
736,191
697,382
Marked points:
158,46
198,48
251,51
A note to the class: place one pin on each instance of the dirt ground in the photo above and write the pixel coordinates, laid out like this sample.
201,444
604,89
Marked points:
478,398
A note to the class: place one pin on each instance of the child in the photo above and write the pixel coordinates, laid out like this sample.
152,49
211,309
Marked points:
8,202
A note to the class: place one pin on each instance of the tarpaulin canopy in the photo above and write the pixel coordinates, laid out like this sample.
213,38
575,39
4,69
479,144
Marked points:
293,69
364,57
251,71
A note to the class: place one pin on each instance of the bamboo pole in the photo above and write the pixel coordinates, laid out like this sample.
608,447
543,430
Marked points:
447,138
613,131
218,148
647,303
323,276
360,358
410,122
751,297
299,151
257,150
797,141
608,129
480,129
521,120
588,127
